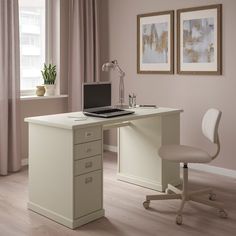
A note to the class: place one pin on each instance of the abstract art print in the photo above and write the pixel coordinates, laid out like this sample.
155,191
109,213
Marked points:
155,43
199,40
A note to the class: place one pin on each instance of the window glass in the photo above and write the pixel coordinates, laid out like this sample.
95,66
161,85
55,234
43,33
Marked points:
32,42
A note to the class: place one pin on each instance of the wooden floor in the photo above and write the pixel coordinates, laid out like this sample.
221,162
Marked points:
125,214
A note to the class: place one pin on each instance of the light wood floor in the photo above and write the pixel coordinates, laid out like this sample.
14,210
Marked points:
125,214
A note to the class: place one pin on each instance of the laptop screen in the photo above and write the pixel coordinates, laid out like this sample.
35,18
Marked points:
96,95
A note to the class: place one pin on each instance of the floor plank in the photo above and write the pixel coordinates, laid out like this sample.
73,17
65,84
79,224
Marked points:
125,214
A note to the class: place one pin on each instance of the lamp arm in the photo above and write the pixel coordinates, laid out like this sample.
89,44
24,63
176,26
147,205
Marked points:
121,83
121,72
118,69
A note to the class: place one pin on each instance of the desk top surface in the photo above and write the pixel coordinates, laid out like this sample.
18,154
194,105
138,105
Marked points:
76,120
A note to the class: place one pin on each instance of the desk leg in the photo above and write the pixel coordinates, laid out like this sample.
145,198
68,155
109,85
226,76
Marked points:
138,159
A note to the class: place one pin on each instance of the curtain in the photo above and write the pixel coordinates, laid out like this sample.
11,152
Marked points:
9,87
83,48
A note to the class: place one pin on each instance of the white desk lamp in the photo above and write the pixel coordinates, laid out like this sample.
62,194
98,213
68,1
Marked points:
115,66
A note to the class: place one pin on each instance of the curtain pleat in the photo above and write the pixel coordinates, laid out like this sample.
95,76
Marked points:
10,159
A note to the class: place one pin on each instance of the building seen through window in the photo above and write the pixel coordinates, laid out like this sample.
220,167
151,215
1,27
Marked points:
32,42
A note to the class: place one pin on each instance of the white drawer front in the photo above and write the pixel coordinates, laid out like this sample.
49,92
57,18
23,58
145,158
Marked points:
87,165
88,193
87,134
87,149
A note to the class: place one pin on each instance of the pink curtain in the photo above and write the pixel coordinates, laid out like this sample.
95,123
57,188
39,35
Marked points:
83,48
9,87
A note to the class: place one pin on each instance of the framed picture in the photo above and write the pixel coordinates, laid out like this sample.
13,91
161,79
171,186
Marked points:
199,40
155,43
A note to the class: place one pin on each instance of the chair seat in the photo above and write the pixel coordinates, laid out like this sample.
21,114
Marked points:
185,154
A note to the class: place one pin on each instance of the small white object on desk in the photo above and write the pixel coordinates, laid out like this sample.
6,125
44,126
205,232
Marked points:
78,118
146,106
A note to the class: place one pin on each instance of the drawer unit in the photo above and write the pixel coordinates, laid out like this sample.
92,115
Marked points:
87,193
87,165
87,149
87,134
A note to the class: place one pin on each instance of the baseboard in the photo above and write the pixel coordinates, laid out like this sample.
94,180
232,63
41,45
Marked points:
201,167
141,182
68,222
50,214
110,148
24,162
214,170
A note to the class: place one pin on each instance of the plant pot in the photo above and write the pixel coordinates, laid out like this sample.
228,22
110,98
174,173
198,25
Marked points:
40,90
50,89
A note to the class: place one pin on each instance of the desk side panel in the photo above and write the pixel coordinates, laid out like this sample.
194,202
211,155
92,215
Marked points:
170,135
51,171
139,162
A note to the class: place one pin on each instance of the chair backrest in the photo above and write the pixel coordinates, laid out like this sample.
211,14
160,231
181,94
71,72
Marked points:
210,124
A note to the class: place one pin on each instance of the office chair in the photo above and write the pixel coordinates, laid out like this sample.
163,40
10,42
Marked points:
187,154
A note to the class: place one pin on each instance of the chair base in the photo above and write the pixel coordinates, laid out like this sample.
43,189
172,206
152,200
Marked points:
174,193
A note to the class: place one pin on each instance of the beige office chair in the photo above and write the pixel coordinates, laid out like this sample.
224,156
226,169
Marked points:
187,154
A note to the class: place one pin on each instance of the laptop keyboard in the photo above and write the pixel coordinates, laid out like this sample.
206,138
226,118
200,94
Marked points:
107,111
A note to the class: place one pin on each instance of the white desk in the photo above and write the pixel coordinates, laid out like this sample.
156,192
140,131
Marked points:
65,160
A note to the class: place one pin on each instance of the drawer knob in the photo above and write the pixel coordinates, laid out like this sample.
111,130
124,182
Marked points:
88,164
88,134
88,180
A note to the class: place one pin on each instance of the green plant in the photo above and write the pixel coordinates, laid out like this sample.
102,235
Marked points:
49,73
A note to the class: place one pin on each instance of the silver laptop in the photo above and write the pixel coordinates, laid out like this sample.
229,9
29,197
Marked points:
97,101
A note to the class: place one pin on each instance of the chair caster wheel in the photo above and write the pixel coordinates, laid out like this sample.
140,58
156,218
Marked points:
146,204
179,220
212,196
222,214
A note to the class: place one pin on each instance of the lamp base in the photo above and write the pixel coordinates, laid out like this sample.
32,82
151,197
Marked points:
122,106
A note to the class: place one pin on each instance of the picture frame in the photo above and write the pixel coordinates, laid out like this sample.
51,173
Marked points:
199,40
155,43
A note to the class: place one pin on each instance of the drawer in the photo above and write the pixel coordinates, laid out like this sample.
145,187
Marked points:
87,165
87,149
87,134
88,193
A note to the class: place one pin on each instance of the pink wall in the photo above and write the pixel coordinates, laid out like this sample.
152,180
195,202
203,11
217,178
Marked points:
195,94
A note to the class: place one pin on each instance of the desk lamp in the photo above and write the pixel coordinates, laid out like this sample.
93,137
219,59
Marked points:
115,66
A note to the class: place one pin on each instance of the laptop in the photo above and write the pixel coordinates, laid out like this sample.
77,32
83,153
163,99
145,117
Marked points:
97,101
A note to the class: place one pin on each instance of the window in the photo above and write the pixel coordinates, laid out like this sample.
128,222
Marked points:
32,43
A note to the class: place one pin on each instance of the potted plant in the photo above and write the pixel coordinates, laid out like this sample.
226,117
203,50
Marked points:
49,74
